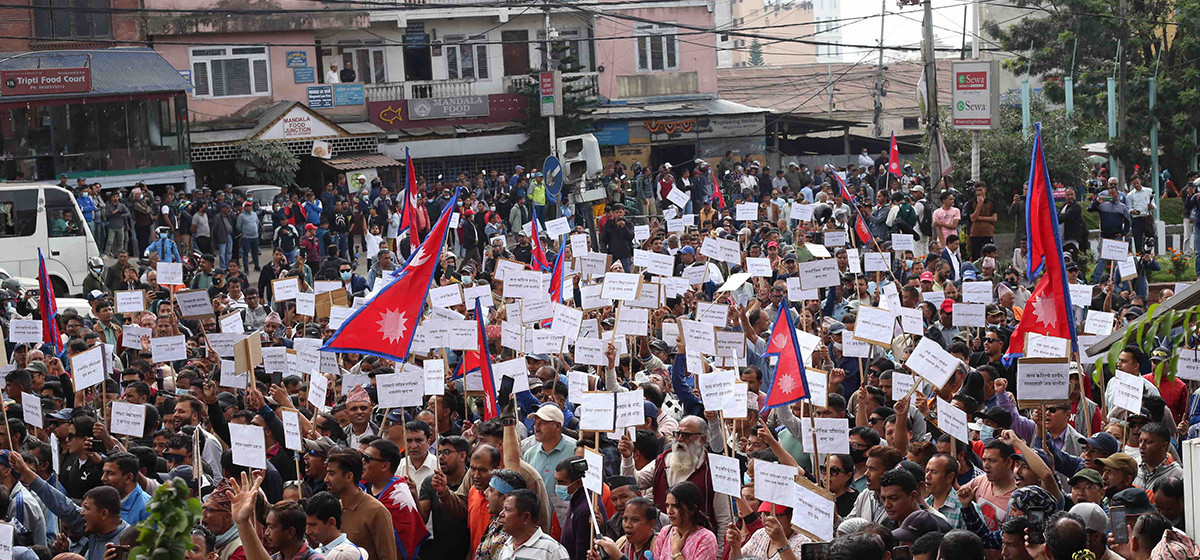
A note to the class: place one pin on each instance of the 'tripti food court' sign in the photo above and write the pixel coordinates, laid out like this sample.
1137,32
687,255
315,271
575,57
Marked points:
37,81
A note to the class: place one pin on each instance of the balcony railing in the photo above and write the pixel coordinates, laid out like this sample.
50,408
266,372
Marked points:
588,83
423,89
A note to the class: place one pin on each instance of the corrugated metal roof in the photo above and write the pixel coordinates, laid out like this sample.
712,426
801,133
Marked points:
364,161
116,71
682,108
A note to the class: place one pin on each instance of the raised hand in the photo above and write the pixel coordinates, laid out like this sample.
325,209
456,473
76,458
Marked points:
244,494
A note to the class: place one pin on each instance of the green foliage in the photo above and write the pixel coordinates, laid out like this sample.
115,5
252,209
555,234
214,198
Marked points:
577,98
1151,331
1087,32
756,54
1004,155
268,163
166,534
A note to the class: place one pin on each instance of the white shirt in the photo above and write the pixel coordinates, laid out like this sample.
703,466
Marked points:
1139,202
539,547
418,474
331,77
865,160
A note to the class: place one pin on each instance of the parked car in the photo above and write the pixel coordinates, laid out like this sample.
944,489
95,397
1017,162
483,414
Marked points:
263,197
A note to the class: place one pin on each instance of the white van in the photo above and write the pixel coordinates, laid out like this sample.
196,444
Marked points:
36,216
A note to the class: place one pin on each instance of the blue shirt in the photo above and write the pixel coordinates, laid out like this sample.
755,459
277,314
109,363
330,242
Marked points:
545,463
133,507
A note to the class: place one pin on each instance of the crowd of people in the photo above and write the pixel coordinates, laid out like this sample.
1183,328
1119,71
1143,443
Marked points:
1078,479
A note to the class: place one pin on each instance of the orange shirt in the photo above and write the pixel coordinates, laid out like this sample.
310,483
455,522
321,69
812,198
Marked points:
478,517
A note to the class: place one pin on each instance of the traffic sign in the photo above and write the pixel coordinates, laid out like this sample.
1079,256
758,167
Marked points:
553,172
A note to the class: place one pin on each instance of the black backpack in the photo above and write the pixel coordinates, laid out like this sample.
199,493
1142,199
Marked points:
925,220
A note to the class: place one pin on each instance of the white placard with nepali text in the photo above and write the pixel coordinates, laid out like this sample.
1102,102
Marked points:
952,420
128,419
249,445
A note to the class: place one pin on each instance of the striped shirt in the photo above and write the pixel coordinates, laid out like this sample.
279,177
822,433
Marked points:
951,509
539,547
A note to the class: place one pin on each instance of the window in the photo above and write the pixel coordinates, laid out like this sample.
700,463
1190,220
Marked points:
657,48
466,58
230,71
367,62
61,217
18,212
71,19
911,123
571,43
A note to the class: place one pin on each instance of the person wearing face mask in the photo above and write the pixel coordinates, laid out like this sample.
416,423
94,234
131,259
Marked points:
166,249
354,283
576,535
94,280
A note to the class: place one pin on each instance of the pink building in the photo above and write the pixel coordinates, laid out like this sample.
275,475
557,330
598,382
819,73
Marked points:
655,61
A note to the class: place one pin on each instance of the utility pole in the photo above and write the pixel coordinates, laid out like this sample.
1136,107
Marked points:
879,74
829,88
1154,144
547,65
975,56
935,155
1122,75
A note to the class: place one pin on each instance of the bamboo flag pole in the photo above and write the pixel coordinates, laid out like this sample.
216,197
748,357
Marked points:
815,456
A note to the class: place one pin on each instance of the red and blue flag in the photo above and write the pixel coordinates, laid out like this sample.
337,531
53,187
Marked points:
789,383
408,200
1048,311
48,307
539,255
894,158
385,325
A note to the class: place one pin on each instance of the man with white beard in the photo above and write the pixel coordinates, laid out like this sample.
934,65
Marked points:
685,460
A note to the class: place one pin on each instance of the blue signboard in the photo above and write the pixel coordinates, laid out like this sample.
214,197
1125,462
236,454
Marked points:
348,94
304,75
612,133
320,97
297,59
552,169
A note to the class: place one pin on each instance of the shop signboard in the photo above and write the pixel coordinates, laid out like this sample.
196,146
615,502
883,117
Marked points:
39,81
297,59
320,97
724,126
299,123
975,103
304,75
448,107
348,94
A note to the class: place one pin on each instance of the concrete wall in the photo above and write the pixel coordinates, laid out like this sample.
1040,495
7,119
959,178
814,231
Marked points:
697,53
283,86
17,23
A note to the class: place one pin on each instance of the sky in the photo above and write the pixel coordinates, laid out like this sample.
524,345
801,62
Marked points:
901,26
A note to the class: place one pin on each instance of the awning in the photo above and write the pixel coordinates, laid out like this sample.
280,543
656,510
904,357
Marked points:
365,161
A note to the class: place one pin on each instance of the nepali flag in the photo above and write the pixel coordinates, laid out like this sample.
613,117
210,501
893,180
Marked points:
789,384
48,308
481,360
408,200
556,273
410,531
1049,311
894,158
384,327
539,255
860,225
716,187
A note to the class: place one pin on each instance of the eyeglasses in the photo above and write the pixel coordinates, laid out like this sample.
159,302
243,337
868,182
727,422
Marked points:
446,452
681,435
874,421
316,454
834,471
990,340
367,458
174,457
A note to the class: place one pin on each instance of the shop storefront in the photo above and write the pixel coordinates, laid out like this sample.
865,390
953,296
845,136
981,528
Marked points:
325,148
679,132
113,116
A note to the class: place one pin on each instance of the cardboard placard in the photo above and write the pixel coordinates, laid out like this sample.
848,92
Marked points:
1042,381
130,301
194,304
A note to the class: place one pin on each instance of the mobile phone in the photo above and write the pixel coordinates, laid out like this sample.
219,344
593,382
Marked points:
1120,527
901,553
814,551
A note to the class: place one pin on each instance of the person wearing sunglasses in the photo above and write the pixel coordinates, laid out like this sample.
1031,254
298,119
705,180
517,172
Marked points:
840,471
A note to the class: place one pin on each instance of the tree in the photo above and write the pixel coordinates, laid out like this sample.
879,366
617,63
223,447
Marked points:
269,163
578,97
1081,37
167,533
756,54
1004,155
